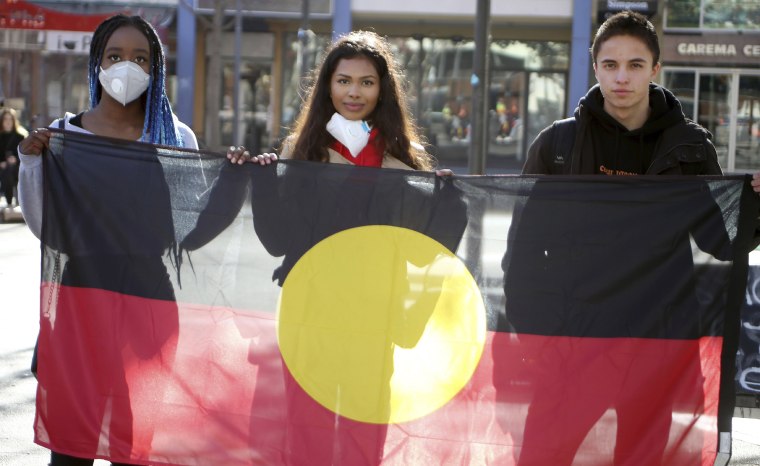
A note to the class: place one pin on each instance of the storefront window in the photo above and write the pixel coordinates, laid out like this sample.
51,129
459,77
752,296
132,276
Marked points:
714,110
728,105
713,14
748,124
546,103
295,59
683,13
254,96
43,86
522,99
732,14
69,91
251,87
14,90
681,84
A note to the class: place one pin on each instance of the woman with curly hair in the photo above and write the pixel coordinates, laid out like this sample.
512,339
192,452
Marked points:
356,112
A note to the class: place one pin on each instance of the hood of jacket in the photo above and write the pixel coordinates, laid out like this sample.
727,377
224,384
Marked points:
615,149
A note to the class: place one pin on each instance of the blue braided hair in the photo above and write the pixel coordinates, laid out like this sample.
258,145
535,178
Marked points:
159,120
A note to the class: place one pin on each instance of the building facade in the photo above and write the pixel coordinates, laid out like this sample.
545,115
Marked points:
711,60
433,41
245,86
43,74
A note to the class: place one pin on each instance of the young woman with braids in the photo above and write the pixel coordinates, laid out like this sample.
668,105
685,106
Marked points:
123,48
128,100
127,62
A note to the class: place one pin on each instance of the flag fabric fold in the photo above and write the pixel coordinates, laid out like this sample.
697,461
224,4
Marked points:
199,312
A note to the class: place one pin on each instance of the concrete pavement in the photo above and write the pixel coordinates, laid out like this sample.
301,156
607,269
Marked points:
19,295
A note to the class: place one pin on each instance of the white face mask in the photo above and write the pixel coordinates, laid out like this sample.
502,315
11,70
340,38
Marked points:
354,134
124,81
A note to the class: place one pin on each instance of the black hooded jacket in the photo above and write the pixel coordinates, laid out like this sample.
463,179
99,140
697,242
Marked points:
592,142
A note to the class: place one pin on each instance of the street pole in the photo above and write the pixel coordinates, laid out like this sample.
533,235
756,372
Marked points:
186,34
236,80
303,35
480,81
419,108
580,59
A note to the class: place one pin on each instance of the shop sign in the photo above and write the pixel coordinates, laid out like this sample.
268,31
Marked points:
253,45
74,42
270,8
607,8
711,49
19,14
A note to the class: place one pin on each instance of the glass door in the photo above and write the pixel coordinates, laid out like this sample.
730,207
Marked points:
727,103
681,84
546,102
714,110
254,88
506,113
748,124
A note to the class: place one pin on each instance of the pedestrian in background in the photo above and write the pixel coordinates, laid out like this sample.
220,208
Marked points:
11,134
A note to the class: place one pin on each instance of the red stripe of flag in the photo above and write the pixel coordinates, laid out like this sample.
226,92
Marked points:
191,384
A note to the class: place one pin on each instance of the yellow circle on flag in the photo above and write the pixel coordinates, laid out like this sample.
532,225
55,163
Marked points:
381,324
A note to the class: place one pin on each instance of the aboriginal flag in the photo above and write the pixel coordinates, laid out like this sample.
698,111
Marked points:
199,312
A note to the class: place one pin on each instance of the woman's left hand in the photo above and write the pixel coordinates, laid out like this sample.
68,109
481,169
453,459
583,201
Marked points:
444,172
238,155
265,158
756,182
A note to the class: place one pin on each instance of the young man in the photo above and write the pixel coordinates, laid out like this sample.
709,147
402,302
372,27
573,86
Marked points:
625,125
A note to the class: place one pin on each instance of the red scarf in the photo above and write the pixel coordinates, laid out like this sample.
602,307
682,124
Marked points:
370,156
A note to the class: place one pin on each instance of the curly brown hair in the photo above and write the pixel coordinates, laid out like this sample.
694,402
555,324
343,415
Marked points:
391,116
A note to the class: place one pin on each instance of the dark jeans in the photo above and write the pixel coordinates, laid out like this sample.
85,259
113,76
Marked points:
8,181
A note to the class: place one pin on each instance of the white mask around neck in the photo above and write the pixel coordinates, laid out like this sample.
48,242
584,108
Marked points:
354,134
125,81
